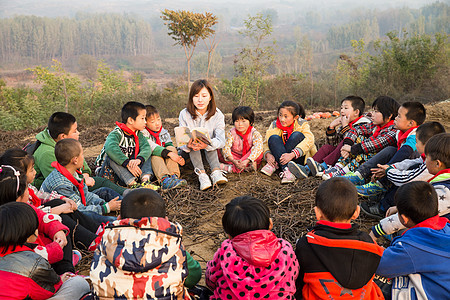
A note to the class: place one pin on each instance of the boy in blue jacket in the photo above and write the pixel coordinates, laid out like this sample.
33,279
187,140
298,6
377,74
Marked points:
419,259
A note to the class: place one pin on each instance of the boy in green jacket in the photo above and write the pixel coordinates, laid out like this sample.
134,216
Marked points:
60,126
126,151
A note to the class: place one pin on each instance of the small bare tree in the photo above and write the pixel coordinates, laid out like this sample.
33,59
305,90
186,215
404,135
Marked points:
186,28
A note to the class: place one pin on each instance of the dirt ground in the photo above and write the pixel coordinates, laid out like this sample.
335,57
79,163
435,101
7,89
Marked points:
200,212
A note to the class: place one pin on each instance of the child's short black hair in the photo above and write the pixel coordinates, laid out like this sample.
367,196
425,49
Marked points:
417,200
244,214
131,110
18,158
427,130
243,112
387,106
296,109
141,203
357,103
416,111
18,221
60,122
438,148
337,199
150,111
13,184
66,149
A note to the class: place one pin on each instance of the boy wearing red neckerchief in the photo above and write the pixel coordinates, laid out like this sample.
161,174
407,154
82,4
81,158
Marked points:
165,159
66,180
418,260
126,151
352,116
437,152
410,116
362,143
337,260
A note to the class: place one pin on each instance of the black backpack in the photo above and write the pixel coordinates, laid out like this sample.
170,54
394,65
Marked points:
30,148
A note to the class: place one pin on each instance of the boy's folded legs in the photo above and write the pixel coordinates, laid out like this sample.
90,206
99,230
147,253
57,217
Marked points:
124,174
382,157
107,194
104,182
99,218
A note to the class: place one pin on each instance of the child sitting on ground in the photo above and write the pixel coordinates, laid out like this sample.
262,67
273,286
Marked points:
419,259
335,257
82,227
244,146
352,110
23,273
410,116
201,111
164,158
405,171
141,255
65,180
289,138
363,142
252,263
62,125
126,151
437,152
52,242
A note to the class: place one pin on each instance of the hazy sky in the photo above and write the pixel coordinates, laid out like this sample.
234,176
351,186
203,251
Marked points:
146,8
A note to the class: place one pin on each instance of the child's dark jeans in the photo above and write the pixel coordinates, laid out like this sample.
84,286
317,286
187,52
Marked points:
123,173
278,148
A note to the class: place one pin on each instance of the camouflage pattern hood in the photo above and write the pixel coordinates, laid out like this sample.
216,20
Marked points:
140,259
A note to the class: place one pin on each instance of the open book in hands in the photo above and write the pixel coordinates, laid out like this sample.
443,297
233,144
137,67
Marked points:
198,134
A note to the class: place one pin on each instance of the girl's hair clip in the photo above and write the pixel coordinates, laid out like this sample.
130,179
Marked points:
16,173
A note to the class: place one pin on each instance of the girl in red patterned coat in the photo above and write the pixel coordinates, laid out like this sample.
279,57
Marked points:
253,263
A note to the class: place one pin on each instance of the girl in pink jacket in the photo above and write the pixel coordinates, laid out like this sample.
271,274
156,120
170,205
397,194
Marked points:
253,263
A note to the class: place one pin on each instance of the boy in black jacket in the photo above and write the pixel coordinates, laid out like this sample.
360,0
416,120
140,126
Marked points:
335,257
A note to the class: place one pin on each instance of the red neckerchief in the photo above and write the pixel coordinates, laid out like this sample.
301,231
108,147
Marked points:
35,200
379,128
402,136
66,173
436,223
246,145
11,249
126,129
354,121
155,134
334,224
439,173
423,156
287,130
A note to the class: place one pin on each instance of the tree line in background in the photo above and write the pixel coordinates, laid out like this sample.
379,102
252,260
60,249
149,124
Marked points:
427,20
44,38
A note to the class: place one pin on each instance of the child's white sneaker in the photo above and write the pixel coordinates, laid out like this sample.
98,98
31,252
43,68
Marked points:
268,169
287,176
205,182
218,177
